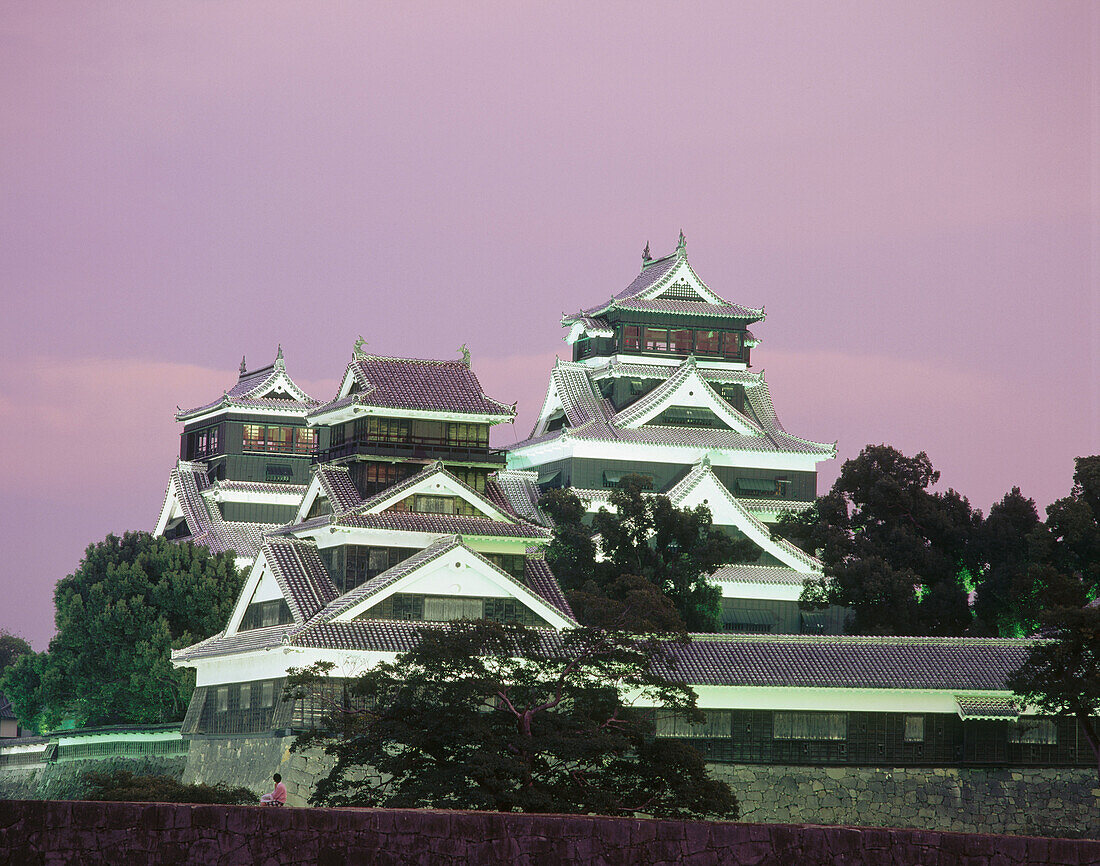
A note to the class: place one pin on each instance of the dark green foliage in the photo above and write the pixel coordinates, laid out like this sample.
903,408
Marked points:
1062,673
893,552
507,718
1073,526
1018,582
11,648
122,785
119,615
676,549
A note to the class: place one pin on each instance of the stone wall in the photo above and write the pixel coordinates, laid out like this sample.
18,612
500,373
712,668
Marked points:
37,832
1047,802
250,762
64,780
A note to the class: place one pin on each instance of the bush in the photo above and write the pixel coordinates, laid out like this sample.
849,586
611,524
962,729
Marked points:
122,785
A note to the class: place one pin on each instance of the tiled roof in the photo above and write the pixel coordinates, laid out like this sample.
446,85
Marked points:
791,505
643,294
250,387
594,327
441,524
702,470
542,582
654,398
348,600
987,708
579,399
651,274
205,521
687,308
849,662
6,711
338,487
652,434
244,641
545,586
230,486
769,574
301,575
518,492
725,375
411,383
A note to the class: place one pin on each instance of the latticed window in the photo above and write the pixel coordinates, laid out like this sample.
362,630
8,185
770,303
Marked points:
717,724
470,435
1042,731
680,291
264,614
809,726
632,336
442,608
914,729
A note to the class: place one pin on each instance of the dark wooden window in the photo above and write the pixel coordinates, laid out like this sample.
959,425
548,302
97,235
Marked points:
263,614
278,439
680,341
447,608
656,340
731,344
708,342
632,335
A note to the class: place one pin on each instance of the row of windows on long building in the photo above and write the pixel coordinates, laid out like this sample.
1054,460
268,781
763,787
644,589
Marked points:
733,736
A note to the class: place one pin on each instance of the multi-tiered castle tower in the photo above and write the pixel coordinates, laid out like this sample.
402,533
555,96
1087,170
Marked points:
660,385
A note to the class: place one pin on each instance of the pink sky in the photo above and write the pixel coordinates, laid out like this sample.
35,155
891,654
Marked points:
910,190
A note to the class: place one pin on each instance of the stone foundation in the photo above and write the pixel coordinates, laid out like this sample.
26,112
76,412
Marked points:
1046,802
64,780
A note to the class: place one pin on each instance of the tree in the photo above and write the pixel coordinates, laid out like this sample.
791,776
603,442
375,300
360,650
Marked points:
1072,539
895,553
119,615
1062,673
481,715
1017,581
675,549
11,648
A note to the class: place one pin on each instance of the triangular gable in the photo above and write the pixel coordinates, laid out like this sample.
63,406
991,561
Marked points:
452,569
184,498
260,585
314,492
686,387
702,487
434,481
350,380
279,386
684,283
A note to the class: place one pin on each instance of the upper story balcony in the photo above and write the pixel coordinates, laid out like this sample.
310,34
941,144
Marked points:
413,448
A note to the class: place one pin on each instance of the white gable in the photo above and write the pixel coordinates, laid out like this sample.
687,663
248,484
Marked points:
693,391
260,585
726,511
686,282
171,508
440,483
460,572
313,492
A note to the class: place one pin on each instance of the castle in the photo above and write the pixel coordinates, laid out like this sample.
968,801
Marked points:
384,508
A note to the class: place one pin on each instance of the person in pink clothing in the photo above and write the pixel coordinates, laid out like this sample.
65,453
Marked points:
276,797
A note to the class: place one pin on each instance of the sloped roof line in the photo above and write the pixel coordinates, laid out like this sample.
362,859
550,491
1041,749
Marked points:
658,395
435,468
702,470
338,488
404,383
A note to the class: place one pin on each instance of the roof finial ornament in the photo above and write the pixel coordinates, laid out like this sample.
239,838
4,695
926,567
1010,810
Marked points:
280,364
244,369
358,352
680,247
465,354
646,257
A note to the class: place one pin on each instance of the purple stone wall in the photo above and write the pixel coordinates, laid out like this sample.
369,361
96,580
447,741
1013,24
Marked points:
40,832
